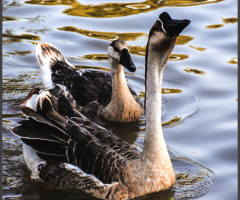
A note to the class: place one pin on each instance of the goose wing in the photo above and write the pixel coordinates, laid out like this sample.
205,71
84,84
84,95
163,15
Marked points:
65,176
85,87
75,140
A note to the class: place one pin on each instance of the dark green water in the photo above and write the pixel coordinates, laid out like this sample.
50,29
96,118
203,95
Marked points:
200,84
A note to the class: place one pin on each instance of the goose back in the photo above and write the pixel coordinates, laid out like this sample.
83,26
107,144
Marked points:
76,141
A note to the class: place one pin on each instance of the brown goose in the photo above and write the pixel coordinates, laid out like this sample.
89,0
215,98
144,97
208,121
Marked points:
97,94
66,150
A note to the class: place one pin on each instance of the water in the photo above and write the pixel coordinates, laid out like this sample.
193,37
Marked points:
199,95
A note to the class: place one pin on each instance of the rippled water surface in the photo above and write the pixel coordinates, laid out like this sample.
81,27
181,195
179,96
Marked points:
199,86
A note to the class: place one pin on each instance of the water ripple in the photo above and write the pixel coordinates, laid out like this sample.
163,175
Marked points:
109,10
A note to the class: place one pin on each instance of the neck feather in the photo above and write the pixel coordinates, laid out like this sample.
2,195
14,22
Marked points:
119,83
155,149
122,107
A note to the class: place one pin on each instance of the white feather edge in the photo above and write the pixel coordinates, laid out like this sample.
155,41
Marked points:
79,170
162,25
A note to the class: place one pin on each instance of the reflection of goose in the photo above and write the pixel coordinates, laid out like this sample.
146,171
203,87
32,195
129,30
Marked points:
102,164
96,94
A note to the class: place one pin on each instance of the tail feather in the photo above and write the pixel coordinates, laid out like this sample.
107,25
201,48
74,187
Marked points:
46,146
52,158
41,134
37,117
47,55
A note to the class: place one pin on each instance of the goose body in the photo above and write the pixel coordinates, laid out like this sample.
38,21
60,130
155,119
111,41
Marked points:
74,152
97,94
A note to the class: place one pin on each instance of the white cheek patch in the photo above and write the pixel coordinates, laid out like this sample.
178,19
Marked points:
113,54
162,25
114,59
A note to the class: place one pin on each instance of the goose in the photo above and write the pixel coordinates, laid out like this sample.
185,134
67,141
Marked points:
97,94
66,150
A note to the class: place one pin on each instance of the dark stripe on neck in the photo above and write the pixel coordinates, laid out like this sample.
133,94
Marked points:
146,60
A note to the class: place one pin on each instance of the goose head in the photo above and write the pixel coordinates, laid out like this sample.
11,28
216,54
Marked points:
118,53
164,32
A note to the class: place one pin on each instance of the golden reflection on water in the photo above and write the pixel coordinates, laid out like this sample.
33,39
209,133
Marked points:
6,115
108,10
198,48
141,95
140,6
172,121
8,18
184,39
164,91
233,61
79,67
18,85
176,57
197,179
18,53
195,71
171,91
99,57
138,50
133,50
19,38
104,35
230,20
214,26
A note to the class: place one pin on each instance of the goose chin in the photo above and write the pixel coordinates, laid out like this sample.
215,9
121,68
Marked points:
131,67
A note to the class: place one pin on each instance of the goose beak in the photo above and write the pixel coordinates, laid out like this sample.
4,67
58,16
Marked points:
126,61
173,27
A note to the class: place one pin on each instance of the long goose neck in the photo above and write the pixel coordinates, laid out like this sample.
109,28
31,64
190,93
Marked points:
123,107
155,149
119,83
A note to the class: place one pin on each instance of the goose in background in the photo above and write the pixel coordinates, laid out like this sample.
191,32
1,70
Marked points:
97,94
66,150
